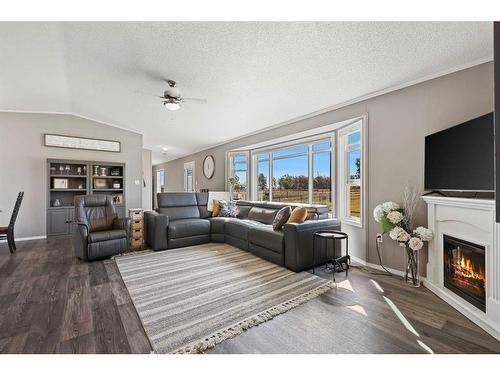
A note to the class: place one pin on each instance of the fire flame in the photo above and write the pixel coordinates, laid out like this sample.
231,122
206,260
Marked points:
464,267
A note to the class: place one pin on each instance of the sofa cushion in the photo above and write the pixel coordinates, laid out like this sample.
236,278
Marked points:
282,217
177,213
239,228
242,212
217,224
262,215
176,199
265,236
188,227
107,235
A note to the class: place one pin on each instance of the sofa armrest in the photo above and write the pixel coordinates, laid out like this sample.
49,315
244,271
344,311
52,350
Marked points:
156,230
299,242
80,239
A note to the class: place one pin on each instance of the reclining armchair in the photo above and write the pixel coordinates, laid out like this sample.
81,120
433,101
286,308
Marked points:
99,233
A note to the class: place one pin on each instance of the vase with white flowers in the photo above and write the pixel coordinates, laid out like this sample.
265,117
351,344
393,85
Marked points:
397,220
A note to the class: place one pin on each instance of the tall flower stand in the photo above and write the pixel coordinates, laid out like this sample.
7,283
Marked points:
412,272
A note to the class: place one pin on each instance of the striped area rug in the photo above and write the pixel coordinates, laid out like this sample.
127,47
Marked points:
191,299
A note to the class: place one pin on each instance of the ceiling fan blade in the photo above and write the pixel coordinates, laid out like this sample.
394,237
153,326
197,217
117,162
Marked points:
149,94
197,100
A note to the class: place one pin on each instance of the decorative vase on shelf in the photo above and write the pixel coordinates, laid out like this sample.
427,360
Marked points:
412,271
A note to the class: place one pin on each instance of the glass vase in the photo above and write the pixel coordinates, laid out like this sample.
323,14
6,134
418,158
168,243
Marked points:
412,272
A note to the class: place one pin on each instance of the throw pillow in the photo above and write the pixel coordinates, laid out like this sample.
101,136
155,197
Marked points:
228,209
299,215
282,217
216,208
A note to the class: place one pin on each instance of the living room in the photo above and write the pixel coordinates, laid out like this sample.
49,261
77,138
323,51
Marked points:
298,186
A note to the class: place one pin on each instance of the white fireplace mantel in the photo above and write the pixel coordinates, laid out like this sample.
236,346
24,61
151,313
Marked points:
471,220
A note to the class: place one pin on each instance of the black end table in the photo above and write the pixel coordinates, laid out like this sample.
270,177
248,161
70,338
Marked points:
337,262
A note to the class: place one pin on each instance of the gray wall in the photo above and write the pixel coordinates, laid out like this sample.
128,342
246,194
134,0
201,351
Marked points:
23,162
147,175
398,122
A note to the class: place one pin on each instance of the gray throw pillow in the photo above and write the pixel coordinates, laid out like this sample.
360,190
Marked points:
228,209
282,217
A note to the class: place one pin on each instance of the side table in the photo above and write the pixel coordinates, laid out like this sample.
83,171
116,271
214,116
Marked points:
337,261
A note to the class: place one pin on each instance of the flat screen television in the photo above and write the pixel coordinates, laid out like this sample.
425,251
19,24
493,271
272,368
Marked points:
462,158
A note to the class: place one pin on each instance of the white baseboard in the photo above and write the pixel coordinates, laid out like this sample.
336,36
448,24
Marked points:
379,268
27,238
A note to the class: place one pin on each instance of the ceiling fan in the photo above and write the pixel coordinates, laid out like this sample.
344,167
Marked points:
172,98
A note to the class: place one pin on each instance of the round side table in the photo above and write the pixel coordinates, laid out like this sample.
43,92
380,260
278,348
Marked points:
337,262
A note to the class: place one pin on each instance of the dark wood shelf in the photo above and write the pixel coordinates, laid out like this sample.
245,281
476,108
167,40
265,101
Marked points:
107,189
117,177
68,176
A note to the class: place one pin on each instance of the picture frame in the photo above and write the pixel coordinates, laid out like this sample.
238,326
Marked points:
100,183
117,199
60,183
81,143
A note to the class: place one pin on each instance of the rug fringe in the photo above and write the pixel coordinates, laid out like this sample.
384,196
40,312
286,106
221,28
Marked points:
209,342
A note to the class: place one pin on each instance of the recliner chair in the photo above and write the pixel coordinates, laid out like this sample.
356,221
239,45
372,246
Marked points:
99,233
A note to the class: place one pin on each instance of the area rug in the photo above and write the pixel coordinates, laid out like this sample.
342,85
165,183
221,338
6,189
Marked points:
191,299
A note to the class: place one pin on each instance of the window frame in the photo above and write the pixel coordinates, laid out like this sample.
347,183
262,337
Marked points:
230,156
344,178
309,142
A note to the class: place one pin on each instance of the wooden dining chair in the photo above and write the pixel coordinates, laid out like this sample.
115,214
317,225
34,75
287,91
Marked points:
8,232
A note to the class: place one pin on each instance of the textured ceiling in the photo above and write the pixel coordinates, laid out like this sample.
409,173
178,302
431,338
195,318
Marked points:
253,75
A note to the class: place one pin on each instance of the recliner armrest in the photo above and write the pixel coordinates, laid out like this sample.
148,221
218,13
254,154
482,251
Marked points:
299,242
156,230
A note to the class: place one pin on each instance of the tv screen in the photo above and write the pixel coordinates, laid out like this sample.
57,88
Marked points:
461,158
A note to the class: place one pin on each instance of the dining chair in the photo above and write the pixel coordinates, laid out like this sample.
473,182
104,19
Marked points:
8,232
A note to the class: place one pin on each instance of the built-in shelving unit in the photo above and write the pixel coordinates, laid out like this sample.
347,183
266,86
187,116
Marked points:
69,178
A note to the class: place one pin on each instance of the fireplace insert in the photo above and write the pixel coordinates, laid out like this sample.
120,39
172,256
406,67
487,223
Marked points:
465,270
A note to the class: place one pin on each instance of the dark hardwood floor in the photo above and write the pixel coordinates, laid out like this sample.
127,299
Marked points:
50,302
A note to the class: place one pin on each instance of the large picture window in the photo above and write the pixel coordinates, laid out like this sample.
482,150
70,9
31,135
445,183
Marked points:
322,169
297,174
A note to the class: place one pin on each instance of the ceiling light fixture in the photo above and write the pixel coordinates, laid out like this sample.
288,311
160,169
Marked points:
172,104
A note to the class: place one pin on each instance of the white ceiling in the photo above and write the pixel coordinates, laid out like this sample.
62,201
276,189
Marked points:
253,75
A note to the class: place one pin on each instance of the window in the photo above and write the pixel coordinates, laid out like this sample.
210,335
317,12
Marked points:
322,169
299,173
238,175
322,174
351,142
263,181
290,176
160,181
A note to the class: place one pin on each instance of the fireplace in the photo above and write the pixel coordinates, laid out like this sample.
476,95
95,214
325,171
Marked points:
465,270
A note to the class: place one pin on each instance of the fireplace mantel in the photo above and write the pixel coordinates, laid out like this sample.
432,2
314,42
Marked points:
471,220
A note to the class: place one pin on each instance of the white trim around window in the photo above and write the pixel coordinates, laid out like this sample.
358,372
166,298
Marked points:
352,145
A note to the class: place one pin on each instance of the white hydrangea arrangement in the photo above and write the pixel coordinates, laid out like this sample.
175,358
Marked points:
397,220
398,225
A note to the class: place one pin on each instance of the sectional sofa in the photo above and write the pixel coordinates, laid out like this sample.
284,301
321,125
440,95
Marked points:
182,219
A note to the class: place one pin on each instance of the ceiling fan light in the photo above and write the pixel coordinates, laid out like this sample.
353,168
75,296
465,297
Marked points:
172,106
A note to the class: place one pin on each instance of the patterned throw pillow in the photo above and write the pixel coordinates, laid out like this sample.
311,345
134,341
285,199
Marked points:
228,209
281,217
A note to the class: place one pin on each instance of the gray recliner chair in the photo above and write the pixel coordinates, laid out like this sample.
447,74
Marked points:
99,233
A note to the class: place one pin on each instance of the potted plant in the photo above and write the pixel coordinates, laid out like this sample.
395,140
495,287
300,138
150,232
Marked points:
397,221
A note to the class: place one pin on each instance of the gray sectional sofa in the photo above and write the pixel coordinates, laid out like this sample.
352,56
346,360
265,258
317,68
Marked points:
182,219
